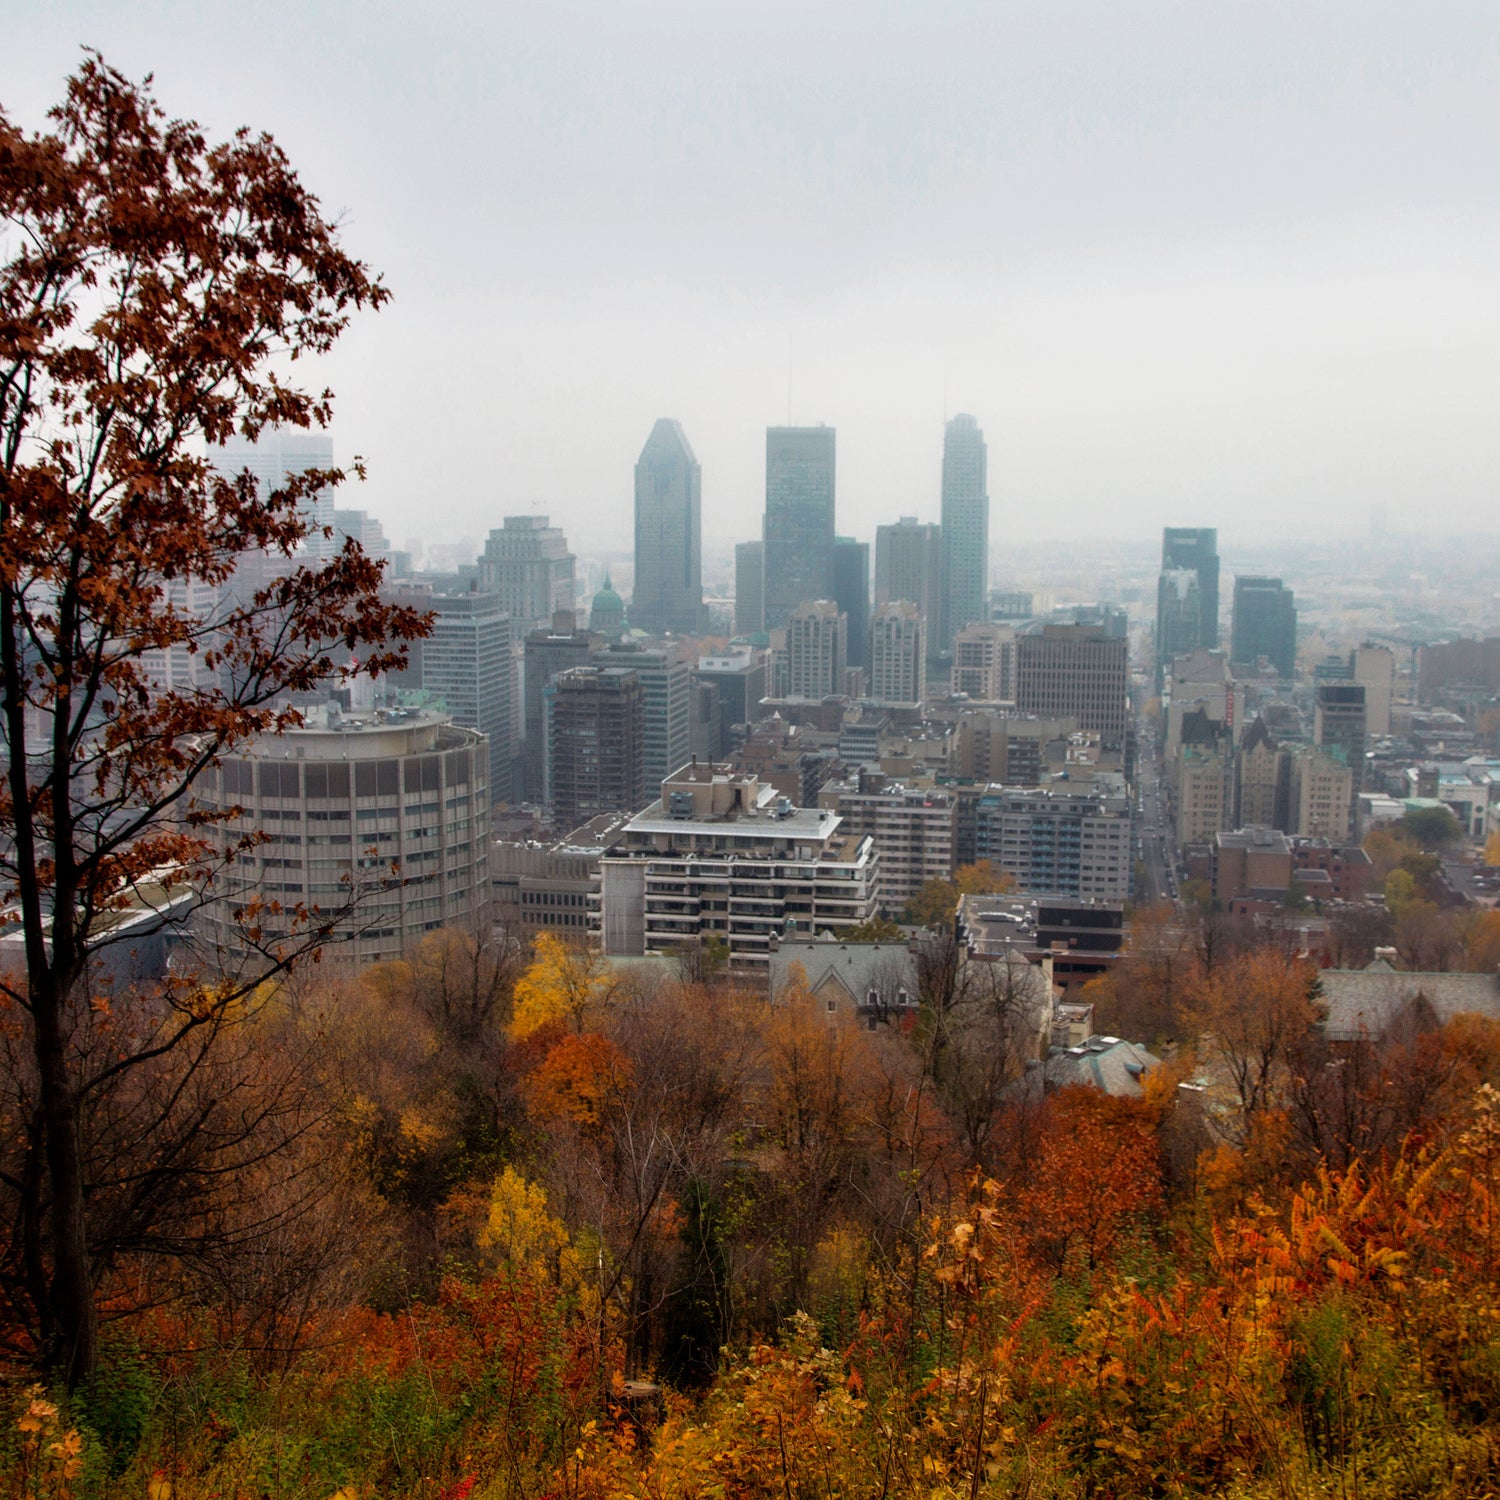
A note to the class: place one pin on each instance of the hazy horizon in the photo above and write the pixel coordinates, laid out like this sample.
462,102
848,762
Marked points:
1184,266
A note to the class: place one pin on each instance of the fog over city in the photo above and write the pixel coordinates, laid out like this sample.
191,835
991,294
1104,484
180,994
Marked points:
1226,266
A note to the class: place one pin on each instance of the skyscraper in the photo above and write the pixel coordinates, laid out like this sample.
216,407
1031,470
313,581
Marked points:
798,531
1264,623
547,652
665,693
467,662
966,526
909,565
275,456
851,592
1339,726
527,563
750,588
1187,610
668,593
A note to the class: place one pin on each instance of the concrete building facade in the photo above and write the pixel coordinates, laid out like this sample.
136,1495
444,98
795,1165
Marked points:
898,656
526,563
816,650
595,720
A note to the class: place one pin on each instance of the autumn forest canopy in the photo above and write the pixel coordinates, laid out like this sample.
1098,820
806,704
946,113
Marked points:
499,1219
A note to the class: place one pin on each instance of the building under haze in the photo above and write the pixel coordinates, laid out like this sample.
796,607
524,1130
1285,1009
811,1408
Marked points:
1187,593
1078,672
668,593
526,563
279,454
965,526
595,744
898,656
1264,624
798,534
851,592
909,565
816,650
750,588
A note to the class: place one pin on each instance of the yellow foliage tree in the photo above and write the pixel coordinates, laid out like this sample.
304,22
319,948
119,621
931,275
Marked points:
524,1237
564,986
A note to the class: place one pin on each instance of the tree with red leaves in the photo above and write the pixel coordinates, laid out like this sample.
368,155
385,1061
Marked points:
154,292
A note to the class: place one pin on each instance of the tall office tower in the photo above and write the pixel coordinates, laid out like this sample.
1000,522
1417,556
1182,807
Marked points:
898,656
666,687
668,594
750,588
1339,724
467,663
984,663
595,744
527,563
1264,623
1375,668
363,528
909,565
1195,550
1078,672
851,592
966,527
545,654
799,519
816,650
274,457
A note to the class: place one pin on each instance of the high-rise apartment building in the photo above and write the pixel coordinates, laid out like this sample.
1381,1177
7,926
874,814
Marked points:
668,594
816,650
750,588
526,563
915,829
965,525
277,455
1322,796
1262,786
851,592
665,692
1078,672
909,565
798,531
467,664
595,744
1264,624
984,663
722,855
898,656
1187,609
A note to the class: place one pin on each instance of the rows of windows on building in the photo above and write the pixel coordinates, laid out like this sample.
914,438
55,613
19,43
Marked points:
905,705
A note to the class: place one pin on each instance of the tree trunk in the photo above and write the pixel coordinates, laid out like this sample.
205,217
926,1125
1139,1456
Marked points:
74,1350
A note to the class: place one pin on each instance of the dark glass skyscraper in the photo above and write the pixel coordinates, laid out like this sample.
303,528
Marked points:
965,526
851,592
1187,593
668,593
1264,623
798,531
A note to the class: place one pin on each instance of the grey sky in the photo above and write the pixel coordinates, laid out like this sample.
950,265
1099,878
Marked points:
1188,263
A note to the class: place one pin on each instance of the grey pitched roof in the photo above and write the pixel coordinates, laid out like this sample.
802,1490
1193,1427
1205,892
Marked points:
857,967
1364,1003
1107,1063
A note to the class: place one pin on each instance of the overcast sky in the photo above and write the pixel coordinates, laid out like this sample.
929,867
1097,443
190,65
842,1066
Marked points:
1188,263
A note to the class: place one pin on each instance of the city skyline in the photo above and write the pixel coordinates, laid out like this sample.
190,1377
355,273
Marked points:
1181,266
